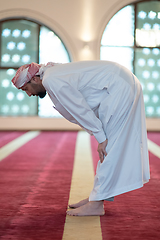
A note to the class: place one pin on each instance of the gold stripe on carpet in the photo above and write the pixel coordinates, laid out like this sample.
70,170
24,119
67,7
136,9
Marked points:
154,148
87,227
17,143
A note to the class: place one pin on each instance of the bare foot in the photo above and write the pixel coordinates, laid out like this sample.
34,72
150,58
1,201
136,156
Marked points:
79,204
92,208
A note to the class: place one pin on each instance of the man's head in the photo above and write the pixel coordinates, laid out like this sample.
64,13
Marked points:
26,78
34,87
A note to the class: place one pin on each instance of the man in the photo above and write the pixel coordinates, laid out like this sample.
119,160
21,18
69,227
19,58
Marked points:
106,100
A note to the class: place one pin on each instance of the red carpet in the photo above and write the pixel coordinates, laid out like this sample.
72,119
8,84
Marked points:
155,137
7,136
34,190
34,187
134,215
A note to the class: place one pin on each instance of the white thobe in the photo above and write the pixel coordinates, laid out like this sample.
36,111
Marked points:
105,99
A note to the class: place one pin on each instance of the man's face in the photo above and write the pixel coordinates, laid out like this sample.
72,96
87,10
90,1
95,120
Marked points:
34,88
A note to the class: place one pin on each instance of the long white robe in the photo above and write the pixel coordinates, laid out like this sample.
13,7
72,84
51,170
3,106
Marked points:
105,99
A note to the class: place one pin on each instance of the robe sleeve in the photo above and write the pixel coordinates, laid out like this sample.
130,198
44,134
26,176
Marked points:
66,92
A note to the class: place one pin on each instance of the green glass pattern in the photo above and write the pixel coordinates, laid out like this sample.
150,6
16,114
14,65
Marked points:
19,43
14,102
148,24
147,64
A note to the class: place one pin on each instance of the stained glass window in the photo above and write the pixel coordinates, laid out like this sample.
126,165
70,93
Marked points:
132,38
22,42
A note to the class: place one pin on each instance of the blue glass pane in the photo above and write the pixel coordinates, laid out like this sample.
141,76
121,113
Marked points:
120,29
121,55
53,51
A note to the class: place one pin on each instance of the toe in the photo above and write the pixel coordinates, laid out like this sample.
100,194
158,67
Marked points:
71,206
71,213
68,213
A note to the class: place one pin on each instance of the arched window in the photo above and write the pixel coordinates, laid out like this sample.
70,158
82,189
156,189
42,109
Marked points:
21,42
132,38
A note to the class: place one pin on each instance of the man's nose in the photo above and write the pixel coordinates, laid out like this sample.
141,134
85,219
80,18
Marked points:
29,94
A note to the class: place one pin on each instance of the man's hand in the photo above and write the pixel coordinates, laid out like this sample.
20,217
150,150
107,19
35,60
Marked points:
102,150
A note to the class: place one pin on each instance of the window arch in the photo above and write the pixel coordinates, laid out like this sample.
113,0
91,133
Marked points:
132,38
24,41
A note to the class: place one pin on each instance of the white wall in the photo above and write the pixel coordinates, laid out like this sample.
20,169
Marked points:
79,23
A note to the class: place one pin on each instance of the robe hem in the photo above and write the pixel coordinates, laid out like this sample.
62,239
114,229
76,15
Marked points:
116,193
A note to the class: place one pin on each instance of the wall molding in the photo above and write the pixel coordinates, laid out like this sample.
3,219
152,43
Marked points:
57,124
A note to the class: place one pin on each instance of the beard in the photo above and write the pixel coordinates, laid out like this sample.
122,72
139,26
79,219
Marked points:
42,94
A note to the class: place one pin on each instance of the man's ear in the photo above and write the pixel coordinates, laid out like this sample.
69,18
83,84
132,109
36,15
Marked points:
35,79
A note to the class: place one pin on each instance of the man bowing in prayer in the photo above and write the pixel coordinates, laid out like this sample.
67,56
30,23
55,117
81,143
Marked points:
106,100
